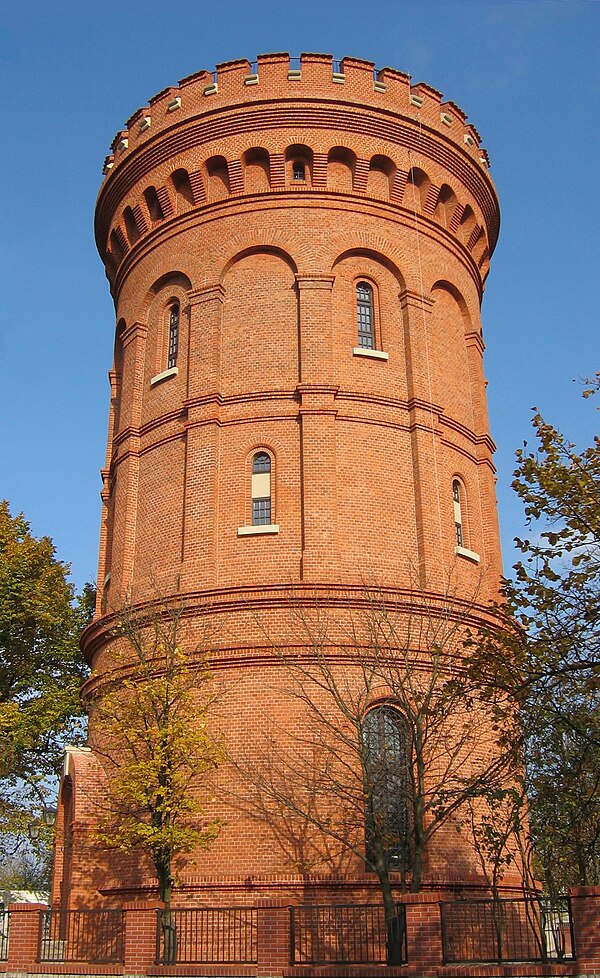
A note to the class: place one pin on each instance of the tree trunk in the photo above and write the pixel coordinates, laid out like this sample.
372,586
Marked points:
394,921
167,921
417,878
419,841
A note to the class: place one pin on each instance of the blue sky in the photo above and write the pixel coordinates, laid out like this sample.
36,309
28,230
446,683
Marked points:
527,72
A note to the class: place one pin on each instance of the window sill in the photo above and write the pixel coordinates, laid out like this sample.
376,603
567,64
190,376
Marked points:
251,531
171,372
468,554
363,351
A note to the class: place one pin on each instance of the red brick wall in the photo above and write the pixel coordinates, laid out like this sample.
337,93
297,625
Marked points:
364,449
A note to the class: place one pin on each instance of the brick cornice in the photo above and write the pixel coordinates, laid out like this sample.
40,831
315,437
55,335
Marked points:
295,594
284,198
311,113
206,294
474,338
409,299
315,281
133,332
304,389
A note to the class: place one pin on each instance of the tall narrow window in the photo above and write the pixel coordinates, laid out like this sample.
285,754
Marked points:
173,336
364,316
457,513
388,788
261,489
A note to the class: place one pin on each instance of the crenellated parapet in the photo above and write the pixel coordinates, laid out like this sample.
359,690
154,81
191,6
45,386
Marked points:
272,76
220,137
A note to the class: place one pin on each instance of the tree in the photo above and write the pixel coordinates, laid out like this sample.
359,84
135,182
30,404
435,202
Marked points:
40,673
149,730
386,747
546,652
28,870
498,829
564,798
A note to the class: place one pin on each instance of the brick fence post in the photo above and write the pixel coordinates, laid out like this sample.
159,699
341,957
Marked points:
585,906
273,938
140,925
23,936
423,934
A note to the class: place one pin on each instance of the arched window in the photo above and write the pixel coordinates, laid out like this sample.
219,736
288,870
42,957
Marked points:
458,525
261,489
153,205
298,170
218,177
184,195
364,316
130,225
173,336
388,788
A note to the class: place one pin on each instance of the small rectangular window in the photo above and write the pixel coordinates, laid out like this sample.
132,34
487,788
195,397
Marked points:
261,512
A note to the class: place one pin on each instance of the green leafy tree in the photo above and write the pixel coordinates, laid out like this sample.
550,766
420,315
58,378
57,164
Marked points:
150,733
546,653
40,673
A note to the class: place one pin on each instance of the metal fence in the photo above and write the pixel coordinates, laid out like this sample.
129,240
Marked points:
4,931
507,930
207,935
81,935
347,934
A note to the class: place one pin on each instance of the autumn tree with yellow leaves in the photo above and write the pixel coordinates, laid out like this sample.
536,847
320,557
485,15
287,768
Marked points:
150,732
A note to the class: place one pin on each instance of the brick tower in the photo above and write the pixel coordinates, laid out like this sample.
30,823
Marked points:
297,252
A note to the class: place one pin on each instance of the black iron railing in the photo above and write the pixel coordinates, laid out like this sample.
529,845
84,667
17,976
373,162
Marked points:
347,934
81,935
507,930
4,930
207,935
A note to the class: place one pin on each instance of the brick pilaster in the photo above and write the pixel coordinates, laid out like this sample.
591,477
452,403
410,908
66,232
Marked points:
423,934
273,942
585,907
24,935
140,924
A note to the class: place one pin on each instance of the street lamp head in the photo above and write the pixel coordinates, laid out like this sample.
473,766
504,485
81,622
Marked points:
49,816
33,831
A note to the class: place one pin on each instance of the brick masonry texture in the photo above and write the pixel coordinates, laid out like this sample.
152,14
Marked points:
200,206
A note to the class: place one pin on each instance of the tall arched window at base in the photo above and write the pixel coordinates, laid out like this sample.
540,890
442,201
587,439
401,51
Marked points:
388,788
